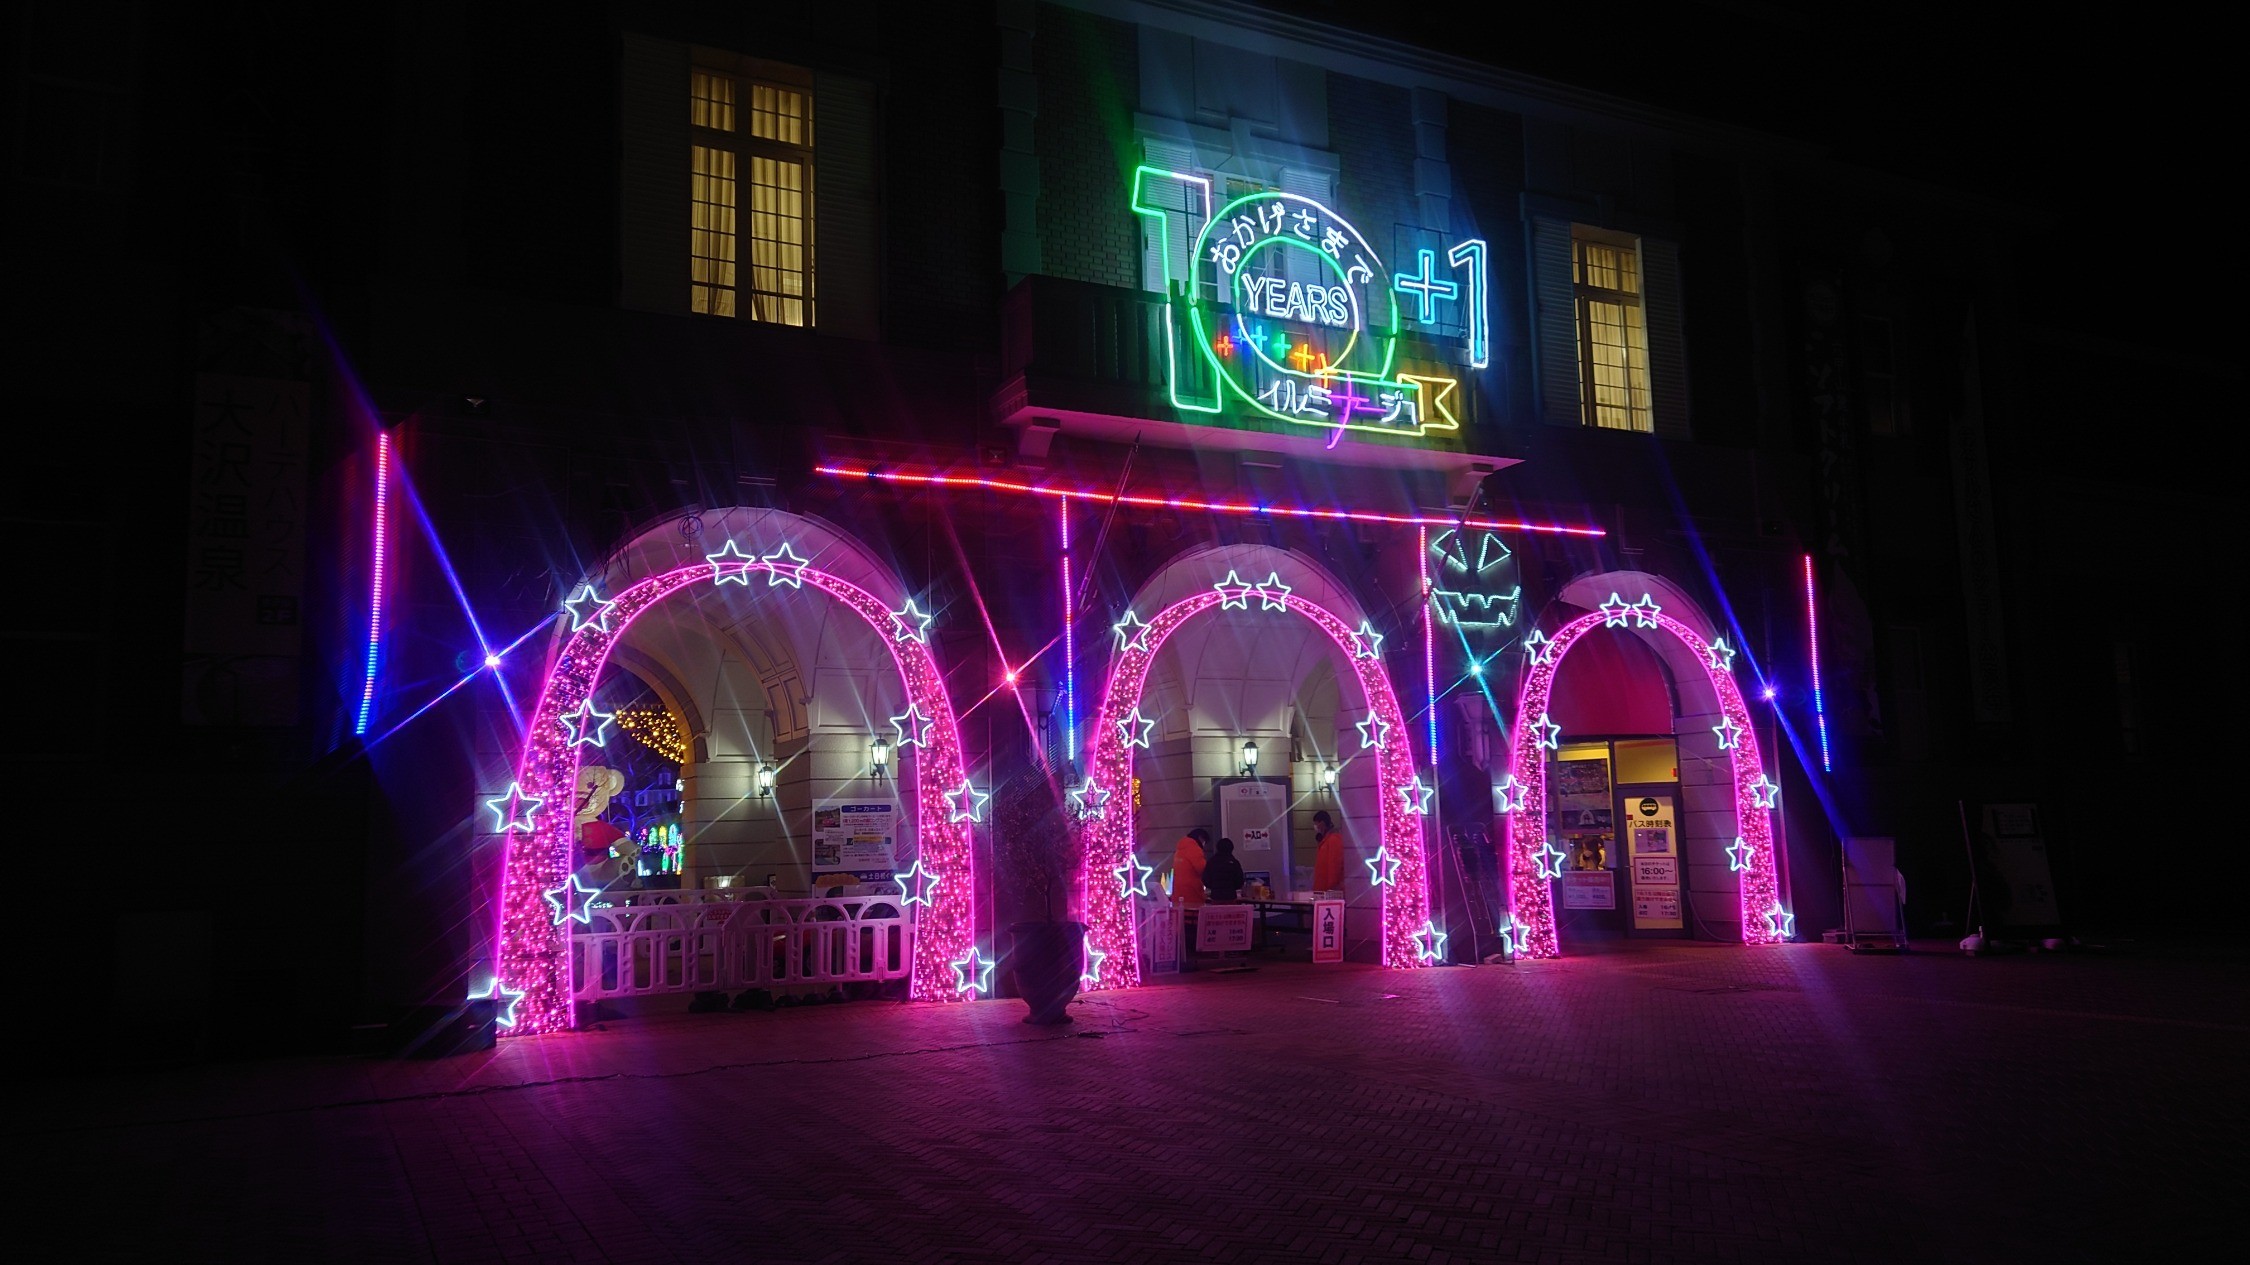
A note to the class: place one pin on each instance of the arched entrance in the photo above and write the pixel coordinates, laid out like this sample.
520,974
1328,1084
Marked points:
1114,875
1705,665
756,550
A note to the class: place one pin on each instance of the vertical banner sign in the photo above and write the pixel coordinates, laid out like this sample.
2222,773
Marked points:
246,551
1653,841
1255,814
1328,931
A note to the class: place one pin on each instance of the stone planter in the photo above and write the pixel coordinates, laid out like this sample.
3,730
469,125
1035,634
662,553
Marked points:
1048,958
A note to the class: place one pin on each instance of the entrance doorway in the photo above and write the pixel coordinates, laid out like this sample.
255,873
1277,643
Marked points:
1613,807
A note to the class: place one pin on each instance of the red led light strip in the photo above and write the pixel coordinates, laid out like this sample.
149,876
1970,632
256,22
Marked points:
1192,503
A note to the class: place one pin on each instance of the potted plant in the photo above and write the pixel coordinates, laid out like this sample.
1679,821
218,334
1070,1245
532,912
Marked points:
1034,843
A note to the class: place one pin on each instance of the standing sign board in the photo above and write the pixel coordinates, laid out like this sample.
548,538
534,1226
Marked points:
1160,935
1254,812
1328,931
1652,848
1223,929
2022,893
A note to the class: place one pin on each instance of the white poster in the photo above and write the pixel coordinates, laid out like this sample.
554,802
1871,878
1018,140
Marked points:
1652,841
1589,889
860,838
1223,929
1328,931
1255,814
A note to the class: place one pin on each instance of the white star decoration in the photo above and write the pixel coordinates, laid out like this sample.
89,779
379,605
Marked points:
507,997
913,727
1090,801
513,811
1382,868
1133,877
1273,595
565,907
1417,796
1091,977
1765,792
587,727
587,607
1511,794
1367,643
919,884
1781,922
1429,942
1738,855
911,622
1537,648
971,974
1615,612
965,803
1373,732
730,565
1234,593
1546,732
783,566
1645,612
1136,728
1132,633
1549,858
1721,656
1509,946
1730,734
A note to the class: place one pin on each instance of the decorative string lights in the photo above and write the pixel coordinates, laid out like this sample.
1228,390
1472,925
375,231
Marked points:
534,950
1115,875
656,729
1535,861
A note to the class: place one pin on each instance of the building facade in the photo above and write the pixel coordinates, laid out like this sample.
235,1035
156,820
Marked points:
1604,513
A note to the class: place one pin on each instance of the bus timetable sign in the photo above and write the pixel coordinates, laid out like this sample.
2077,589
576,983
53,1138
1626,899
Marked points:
1300,320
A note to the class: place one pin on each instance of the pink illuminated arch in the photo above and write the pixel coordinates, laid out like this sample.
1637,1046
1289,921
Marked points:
534,942
1108,839
1533,865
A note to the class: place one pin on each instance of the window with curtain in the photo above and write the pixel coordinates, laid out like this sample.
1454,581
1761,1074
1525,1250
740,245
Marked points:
751,150
1613,383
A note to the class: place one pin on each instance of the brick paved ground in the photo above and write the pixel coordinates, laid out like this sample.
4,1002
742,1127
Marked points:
1667,1103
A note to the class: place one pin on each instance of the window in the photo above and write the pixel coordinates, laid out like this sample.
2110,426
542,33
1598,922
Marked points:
1613,382
751,148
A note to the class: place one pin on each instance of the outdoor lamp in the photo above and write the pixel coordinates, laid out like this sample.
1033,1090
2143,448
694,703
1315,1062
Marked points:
766,773
1328,774
879,755
1249,757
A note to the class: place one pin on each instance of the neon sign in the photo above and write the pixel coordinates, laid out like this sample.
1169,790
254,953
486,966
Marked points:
1298,318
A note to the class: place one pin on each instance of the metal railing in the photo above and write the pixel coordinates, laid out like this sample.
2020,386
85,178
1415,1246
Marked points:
710,941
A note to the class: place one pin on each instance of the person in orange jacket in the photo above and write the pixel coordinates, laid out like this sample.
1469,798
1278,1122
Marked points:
1187,868
1328,857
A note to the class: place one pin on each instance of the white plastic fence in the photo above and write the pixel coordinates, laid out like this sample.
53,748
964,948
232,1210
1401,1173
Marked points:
714,941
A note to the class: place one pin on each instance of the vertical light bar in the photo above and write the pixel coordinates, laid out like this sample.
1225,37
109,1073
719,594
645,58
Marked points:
1070,644
1429,641
375,587
1812,644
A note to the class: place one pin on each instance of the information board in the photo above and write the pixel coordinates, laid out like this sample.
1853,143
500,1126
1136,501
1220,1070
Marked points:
1589,889
1652,844
860,838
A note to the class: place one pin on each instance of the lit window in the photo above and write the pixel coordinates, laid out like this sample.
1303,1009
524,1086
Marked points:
1612,335
774,153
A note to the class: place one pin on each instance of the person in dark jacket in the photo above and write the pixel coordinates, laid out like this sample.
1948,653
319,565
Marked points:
1222,877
